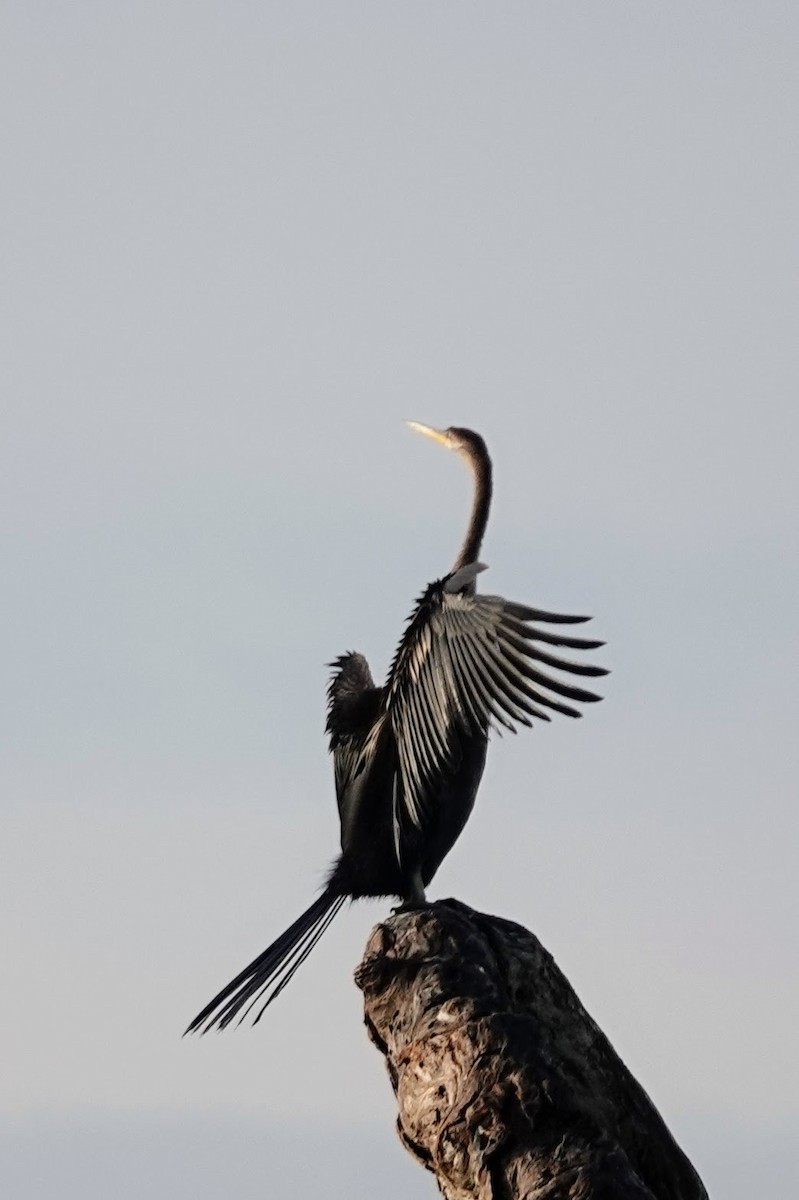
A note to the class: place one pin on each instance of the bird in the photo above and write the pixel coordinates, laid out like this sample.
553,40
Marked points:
408,756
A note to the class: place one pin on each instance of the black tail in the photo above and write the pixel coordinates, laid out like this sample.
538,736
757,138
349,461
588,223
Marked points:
275,967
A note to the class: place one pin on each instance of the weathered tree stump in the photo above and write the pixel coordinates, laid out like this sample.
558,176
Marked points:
507,1089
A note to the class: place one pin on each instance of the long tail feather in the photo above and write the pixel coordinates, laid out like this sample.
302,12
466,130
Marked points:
272,969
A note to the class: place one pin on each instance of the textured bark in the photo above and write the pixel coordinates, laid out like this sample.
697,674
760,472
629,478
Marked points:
507,1089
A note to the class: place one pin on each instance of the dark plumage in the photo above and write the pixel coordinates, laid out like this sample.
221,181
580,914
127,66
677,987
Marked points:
408,757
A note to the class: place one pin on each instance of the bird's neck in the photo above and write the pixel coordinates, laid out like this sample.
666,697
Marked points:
478,520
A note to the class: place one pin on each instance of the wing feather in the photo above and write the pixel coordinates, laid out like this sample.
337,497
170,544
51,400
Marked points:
354,726
467,663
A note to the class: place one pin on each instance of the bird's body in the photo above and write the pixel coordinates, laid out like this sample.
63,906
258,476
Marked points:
380,857
408,757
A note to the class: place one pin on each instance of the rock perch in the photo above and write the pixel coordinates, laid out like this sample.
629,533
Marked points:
507,1089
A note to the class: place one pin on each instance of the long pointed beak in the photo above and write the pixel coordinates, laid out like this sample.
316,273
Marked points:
437,435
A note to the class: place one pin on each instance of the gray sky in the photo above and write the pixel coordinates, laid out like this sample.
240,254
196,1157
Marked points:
239,244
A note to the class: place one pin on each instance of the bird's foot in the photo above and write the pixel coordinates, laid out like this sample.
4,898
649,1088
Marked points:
415,896
408,906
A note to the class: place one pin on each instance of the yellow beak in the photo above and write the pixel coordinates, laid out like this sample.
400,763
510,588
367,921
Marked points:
438,435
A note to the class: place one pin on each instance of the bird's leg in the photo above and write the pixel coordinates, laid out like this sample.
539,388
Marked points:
414,896
416,891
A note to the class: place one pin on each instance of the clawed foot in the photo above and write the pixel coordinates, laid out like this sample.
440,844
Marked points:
409,906
414,897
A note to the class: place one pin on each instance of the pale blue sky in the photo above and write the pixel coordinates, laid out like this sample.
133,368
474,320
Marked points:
240,243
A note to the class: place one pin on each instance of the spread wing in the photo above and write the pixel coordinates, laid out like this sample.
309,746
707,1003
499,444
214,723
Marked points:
353,711
468,662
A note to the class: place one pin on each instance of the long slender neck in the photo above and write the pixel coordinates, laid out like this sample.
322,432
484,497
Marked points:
481,469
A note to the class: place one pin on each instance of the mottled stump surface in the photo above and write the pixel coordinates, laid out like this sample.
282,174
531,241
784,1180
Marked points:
507,1089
